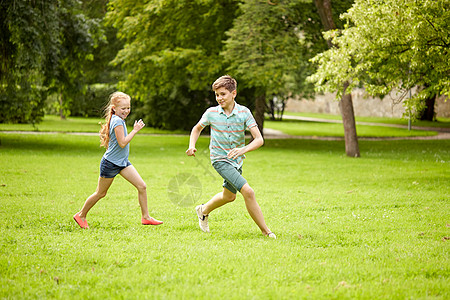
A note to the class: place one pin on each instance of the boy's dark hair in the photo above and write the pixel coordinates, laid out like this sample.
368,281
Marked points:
225,81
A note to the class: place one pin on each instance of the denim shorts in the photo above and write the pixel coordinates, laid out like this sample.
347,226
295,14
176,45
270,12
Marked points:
110,170
232,176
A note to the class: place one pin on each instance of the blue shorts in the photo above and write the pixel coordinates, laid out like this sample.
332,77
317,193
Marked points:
110,170
232,176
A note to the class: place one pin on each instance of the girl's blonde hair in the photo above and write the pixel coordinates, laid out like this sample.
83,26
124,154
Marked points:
113,101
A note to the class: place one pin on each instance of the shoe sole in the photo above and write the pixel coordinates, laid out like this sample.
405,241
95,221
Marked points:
152,221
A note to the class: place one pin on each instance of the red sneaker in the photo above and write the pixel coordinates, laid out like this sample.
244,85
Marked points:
83,224
152,221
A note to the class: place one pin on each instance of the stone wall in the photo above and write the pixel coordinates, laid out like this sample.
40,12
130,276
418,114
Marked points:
442,107
364,105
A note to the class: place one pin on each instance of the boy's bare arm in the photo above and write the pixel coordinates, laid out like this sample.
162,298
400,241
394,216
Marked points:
257,142
195,133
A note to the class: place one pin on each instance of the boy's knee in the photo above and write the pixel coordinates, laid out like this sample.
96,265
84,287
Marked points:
247,191
231,198
228,196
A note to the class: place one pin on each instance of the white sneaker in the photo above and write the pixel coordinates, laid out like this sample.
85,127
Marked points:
271,235
202,219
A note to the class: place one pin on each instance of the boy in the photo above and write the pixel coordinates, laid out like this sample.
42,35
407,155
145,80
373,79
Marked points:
228,121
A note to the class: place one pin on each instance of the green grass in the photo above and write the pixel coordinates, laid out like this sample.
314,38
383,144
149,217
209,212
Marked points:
376,227
441,122
73,124
291,127
308,128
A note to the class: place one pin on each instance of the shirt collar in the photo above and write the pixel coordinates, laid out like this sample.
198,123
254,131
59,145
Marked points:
233,112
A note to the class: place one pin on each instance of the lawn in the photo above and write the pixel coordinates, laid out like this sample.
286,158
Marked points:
373,227
309,128
291,127
52,123
441,122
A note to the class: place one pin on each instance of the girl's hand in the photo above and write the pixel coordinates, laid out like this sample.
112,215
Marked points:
138,125
191,151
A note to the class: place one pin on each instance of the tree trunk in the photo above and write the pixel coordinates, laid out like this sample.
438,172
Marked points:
428,113
283,106
272,109
348,119
346,103
326,16
61,111
260,109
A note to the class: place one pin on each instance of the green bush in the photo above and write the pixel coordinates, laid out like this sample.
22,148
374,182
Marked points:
89,104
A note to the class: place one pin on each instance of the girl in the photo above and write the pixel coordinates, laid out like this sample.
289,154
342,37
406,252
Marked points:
114,137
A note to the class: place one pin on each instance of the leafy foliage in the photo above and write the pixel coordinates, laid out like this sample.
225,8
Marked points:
78,39
387,45
24,54
264,47
171,55
270,45
271,42
43,45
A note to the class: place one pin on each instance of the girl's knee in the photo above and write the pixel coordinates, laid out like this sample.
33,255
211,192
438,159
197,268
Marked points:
101,194
142,187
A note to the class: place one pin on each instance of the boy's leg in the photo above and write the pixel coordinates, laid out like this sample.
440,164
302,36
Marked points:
229,191
102,187
131,175
218,200
253,208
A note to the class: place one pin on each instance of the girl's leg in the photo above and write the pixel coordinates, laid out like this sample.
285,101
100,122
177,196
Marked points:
218,200
131,174
253,208
100,192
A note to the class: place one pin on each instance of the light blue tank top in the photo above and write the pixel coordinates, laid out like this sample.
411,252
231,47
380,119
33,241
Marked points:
114,153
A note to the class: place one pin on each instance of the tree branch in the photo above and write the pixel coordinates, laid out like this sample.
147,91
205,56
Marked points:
435,29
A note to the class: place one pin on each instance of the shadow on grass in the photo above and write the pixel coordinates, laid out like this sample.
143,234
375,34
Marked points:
401,149
50,143
301,145
421,150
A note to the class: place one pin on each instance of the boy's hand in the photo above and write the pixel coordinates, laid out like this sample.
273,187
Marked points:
235,153
138,125
191,151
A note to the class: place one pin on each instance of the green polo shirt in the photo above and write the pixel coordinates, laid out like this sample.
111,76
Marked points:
227,132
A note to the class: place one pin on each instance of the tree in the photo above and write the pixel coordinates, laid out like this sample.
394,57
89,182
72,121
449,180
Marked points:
265,49
43,44
99,70
345,103
27,40
270,45
390,45
79,36
99,75
171,55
